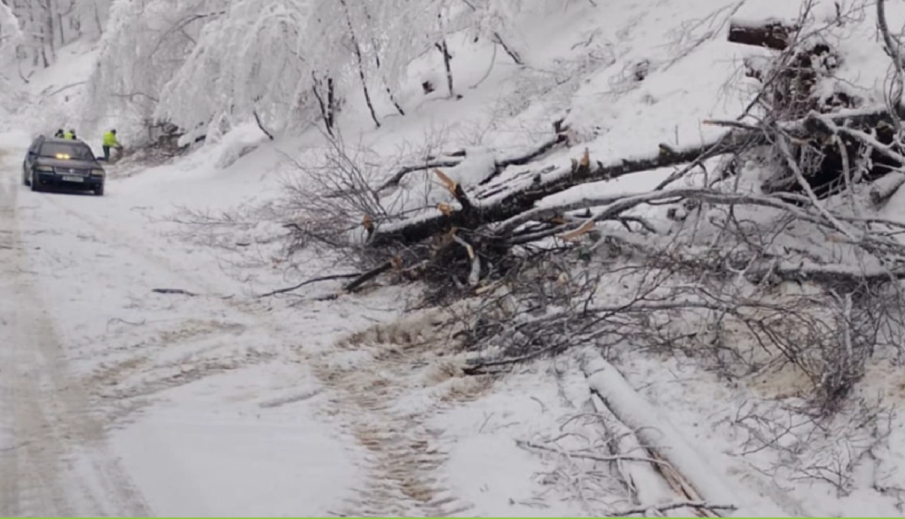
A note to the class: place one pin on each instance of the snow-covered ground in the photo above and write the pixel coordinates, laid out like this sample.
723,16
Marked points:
140,375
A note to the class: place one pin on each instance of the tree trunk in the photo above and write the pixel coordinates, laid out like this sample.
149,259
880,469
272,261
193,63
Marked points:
327,106
376,49
446,59
331,101
97,20
386,84
769,33
361,66
50,33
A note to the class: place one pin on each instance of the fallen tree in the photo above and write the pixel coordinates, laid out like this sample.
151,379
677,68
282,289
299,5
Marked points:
499,203
517,197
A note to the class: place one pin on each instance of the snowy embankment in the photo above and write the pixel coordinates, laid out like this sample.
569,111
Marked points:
342,406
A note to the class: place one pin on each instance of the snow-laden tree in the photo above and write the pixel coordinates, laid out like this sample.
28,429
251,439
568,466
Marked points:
279,62
146,43
10,38
10,34
92,16
50,24
251,60
195,63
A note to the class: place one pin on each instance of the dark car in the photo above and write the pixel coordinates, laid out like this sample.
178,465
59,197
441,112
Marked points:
64,163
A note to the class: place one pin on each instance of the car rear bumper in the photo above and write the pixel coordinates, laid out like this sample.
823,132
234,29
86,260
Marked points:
69,181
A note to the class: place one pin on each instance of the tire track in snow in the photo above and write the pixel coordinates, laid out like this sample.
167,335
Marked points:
55,462
164,375
386,384
402,359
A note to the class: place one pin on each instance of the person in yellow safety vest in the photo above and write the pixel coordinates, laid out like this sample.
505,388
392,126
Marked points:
110,142
70,135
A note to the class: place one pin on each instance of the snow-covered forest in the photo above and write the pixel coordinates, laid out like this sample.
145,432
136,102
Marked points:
198,63
457,257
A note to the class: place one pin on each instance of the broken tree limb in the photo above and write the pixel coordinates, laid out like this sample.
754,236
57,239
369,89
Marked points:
455,188
399,175
654,430
521,159
475,275
883,188
367,276
770,33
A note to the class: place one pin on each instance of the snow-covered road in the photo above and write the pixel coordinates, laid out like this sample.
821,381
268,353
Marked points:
54,456
85,343
116,399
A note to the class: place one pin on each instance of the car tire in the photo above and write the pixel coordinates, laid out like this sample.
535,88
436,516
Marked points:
35,185
99,190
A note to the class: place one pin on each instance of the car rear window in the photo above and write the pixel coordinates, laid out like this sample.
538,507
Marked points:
73,151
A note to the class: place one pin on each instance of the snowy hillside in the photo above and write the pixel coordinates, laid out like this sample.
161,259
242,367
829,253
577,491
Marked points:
483,258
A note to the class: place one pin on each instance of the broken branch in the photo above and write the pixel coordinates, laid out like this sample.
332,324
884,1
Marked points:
770,33
367,276
308,282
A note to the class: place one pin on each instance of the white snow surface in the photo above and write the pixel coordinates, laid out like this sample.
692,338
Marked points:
118,400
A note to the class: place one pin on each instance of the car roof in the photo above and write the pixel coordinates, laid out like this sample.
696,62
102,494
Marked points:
57,140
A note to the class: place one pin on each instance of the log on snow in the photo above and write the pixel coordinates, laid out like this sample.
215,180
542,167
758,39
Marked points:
650,487
884,187
770,33
655,431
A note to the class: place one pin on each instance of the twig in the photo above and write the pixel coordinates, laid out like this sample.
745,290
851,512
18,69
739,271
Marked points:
531,445
671,506
118,320
799,176
308,282
261,125
405,170
367,276
177,291
512,53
